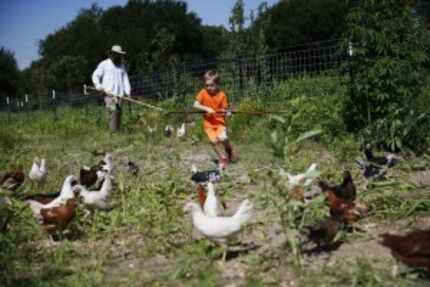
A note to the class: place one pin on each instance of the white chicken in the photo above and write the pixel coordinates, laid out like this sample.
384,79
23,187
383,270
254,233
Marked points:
304,179
212,206
220,229
67,192
38,170
107,164
97,198
181,131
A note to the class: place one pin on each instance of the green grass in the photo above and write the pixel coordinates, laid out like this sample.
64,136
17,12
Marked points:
146,240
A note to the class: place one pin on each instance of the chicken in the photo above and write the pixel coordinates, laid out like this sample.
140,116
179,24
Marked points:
371,171
201,195
99,198
107,163
58,217
346,190
38,170
220,229
212,206
325,231
344,210
131,167
13,179
303,179
168,130
181,131
213,175
388,159
67,192
90,176
413,249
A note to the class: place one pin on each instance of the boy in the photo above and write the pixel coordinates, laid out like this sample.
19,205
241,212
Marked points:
213,101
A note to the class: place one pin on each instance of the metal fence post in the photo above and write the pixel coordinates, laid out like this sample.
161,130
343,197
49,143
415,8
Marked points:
54,103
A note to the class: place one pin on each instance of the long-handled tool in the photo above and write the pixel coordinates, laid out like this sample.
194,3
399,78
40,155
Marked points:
124,98
256,113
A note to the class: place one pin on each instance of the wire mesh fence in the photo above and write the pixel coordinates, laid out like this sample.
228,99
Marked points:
237,74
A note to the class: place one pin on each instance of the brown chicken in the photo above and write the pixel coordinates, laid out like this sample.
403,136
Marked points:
297,193
345,211
346,190
58,217
413,249
324,232
13,179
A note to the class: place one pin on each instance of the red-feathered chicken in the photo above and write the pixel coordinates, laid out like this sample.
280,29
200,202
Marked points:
346,190
413,249
13,179
345,211
58,217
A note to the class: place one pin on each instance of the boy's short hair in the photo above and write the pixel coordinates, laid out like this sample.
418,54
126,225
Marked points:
212,76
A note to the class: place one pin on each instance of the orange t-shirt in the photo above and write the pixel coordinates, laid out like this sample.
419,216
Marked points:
217,102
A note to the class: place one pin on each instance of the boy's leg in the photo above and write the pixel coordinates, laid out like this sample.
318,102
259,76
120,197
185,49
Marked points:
229,150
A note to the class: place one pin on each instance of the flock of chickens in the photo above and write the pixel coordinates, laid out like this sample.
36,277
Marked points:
93,188
55,210
412,249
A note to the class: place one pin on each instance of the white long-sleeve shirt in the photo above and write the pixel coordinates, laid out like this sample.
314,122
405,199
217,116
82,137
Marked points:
112,79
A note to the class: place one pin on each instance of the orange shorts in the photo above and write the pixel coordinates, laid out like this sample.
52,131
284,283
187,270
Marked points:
216,133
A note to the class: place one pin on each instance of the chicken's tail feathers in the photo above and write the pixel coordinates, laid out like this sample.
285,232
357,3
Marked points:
245,211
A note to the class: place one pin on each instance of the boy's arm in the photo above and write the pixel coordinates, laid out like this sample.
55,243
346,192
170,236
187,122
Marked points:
203,108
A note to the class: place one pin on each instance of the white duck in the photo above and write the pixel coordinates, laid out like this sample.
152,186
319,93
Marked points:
212,206
67,192
304,179
97,198
38,170
181,131
220,229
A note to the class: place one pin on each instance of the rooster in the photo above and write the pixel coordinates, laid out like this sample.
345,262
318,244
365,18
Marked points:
413,249
220,229
346,190
13,179
38,170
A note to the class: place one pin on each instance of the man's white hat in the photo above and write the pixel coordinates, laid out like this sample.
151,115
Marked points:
118,49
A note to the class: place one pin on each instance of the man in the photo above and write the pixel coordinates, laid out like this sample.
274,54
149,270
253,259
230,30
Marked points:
111,78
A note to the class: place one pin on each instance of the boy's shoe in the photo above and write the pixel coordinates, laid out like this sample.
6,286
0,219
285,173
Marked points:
222,162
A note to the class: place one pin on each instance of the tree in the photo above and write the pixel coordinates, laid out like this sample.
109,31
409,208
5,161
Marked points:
9,73
390,48
303,21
